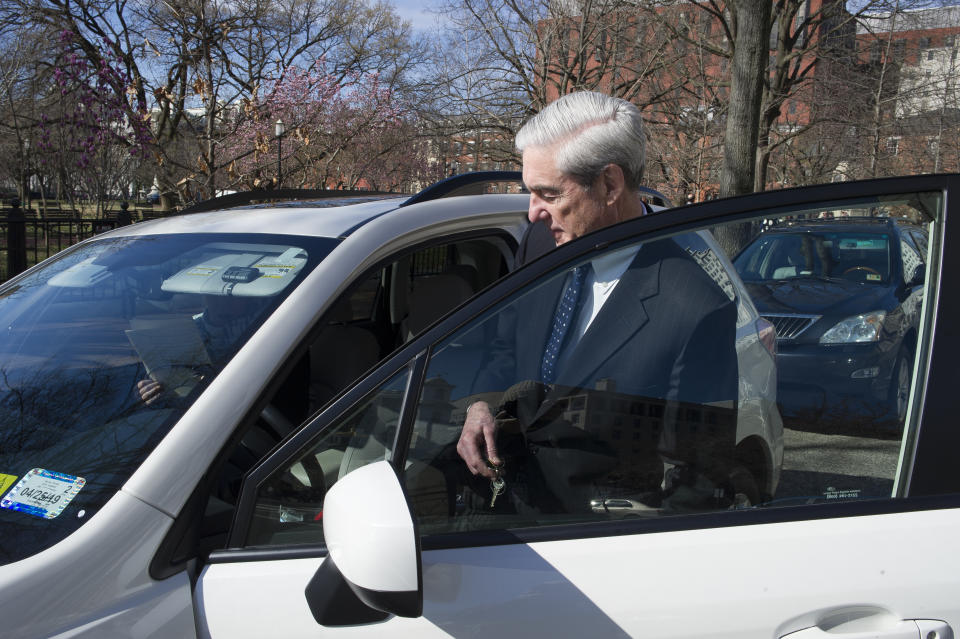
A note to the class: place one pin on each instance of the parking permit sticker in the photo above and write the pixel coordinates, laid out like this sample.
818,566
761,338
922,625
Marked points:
202,270
43,493
6,481
290,261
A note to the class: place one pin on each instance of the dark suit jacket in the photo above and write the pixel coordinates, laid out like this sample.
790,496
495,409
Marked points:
665,338
666,331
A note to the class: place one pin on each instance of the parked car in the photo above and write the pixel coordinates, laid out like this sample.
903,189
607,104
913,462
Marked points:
845,295
297,472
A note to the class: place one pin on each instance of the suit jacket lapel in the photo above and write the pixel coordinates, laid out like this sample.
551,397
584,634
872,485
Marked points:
622,315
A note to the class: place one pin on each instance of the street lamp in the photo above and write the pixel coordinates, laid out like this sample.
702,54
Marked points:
279,130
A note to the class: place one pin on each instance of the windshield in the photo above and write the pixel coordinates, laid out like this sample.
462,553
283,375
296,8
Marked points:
857,257
104,348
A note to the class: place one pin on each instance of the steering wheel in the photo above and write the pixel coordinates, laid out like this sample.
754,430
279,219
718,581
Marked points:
862,268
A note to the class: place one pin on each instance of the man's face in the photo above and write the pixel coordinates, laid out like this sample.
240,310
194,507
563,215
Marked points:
558,201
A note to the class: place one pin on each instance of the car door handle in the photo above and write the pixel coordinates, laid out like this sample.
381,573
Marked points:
877,625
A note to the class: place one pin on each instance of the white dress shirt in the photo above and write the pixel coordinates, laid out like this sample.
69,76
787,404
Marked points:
603,277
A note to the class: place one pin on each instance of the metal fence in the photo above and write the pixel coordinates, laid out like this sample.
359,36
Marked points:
27,237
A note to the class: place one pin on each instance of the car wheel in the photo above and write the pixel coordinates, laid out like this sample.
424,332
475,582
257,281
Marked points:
899,391
743,488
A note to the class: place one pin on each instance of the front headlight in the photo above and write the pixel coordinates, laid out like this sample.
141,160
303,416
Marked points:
861,328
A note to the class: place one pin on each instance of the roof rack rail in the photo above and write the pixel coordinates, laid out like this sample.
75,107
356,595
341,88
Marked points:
475,182
658,198
274,195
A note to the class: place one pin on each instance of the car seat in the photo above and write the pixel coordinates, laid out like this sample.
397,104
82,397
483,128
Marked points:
431,297
339,355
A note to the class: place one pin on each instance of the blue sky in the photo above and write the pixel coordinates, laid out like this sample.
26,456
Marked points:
413,10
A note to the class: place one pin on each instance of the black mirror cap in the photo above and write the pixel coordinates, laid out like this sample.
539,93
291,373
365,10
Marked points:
332,600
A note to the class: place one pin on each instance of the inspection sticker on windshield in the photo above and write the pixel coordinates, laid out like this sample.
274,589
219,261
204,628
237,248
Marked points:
43,493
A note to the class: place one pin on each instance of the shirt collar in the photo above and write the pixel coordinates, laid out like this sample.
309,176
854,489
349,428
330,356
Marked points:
611,266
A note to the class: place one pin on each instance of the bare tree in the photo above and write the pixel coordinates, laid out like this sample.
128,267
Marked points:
194,64
750,22
505,59
20,92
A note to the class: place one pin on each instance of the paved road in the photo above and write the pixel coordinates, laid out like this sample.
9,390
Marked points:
823,466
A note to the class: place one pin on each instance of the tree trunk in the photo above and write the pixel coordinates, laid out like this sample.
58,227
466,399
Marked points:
748,66
750,56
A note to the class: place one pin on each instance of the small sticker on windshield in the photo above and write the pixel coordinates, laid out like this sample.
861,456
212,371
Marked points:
202,270
6,481
873,277
842,493
43,493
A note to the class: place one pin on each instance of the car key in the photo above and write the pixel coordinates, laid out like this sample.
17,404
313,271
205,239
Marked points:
497,484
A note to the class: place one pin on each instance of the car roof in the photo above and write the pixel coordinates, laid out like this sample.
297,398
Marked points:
307,220
330,214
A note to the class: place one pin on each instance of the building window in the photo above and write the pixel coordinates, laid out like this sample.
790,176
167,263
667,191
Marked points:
893,145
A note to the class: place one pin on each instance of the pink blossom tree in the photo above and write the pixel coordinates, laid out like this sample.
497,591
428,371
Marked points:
95,122
342,132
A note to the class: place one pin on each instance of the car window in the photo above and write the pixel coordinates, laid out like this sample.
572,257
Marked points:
103,349
290,503
386,309
688,389
382,310
660,429
817,252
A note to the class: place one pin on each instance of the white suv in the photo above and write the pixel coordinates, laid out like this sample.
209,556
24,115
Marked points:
243,423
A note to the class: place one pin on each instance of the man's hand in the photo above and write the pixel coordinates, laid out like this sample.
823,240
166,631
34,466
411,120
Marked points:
150,391
478,440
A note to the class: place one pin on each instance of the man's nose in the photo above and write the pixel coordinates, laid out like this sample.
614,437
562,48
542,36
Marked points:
536,212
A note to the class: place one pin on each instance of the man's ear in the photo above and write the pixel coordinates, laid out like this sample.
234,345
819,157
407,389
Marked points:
614,183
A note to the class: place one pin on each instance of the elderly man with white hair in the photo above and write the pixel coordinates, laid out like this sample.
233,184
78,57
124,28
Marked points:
624,316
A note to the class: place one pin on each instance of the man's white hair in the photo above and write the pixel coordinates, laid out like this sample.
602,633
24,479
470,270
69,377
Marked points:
592,130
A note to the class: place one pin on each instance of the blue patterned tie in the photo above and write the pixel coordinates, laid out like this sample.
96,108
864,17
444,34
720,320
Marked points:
562,319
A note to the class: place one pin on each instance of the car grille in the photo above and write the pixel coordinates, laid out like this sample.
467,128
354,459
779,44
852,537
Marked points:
791,326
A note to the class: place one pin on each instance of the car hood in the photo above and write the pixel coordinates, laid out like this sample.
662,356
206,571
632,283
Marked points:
816,296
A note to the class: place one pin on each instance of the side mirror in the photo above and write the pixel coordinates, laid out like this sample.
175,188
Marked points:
373,566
